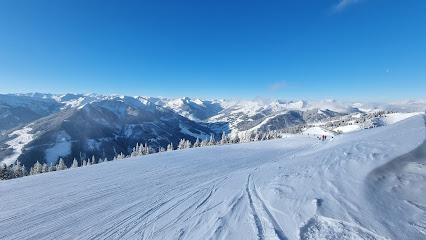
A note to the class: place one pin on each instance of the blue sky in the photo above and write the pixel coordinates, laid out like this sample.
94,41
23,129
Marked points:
352,50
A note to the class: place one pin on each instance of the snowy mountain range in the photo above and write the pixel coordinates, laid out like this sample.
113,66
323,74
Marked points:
43,127
360,185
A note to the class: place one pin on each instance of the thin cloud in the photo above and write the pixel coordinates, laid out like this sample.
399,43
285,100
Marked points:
344,4
278,85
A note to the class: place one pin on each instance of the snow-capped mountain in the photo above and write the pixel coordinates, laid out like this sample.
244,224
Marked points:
103,127
16,110
44,127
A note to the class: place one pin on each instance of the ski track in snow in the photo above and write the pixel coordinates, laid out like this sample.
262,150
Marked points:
292,188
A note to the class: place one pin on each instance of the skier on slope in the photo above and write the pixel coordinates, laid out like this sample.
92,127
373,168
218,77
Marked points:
323,137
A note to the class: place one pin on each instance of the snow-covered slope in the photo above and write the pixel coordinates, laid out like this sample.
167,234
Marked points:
292,188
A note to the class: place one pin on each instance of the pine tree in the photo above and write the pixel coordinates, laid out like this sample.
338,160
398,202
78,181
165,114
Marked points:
170,147
106,159
24,171
224,139
120,156
146,149
100,160
52,168
161,149
139,149
204,143
256,137
197,143
36,169
149,150
84,163
212,141
93,160
181,144
4,173
74,163
17,170
61,165
236,139
44,168
188,144
89,162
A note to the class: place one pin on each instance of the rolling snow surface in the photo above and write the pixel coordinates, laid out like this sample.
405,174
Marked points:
362,185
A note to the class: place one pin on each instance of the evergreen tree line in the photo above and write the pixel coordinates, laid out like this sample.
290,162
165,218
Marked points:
362,121
17,170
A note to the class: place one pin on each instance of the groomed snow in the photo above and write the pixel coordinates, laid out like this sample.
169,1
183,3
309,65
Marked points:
292,188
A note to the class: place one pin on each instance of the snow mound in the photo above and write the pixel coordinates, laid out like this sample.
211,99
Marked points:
320,227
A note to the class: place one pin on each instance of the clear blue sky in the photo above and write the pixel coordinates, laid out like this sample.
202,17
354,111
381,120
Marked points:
351,50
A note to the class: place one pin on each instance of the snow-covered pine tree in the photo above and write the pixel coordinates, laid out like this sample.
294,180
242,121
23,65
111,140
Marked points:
256,137
197,143
100,160
181,144
36,169
106,159
61,165
120,156
224,139
140,150
89,162
52,167
44,168
188,144
74,163
134,153
236,139
151,150
24,171
212,141
146,149
170,147
17,170
161,149
84,163
4,172
204,143
93,160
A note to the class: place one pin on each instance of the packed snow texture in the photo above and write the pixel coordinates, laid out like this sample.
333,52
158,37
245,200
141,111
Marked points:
361,185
